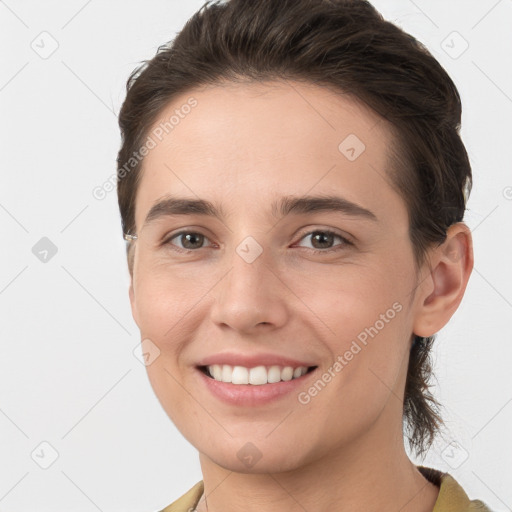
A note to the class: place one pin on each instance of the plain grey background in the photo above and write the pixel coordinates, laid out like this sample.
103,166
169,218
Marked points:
80,427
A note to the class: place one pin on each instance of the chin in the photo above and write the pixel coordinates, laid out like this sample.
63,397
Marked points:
273,465
249,459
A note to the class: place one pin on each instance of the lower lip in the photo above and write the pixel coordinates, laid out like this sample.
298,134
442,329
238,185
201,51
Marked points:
250,394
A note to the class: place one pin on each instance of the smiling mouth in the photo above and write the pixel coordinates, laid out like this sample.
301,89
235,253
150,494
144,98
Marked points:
256,376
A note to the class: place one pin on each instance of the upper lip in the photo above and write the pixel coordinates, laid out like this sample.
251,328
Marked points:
252,360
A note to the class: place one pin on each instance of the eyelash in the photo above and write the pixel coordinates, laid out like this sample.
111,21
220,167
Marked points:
345,241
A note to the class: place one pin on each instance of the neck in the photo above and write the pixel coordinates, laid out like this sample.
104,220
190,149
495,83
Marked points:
372,472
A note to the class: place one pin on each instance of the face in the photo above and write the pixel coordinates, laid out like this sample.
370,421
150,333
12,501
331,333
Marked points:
277,275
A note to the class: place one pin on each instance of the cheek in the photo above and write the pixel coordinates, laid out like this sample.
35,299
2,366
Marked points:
349,300
365,320
165,298
166,384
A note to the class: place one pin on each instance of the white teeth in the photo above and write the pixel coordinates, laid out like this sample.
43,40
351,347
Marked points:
216,371
287,373
240,375
226,372
256,376
274,374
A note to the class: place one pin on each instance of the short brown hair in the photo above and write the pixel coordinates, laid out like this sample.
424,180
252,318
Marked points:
345,45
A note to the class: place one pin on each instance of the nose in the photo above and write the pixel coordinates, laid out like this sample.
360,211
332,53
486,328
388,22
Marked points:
251,297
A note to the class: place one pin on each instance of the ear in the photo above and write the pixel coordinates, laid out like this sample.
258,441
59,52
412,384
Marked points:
443,286
131,291
133,302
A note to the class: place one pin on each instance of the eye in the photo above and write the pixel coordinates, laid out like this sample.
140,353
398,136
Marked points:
188,240
322,240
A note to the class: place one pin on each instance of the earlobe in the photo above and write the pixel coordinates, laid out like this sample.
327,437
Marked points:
451,264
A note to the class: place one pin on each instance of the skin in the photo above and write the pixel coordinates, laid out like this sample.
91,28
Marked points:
242,147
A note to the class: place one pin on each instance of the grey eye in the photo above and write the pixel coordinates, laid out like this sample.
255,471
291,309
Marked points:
189,240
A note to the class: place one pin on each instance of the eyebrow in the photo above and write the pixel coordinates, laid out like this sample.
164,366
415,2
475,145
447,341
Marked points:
171,205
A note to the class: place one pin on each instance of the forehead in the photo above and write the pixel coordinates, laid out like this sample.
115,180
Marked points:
265,119
252,142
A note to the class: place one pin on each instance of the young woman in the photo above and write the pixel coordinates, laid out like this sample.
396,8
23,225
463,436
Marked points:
292,186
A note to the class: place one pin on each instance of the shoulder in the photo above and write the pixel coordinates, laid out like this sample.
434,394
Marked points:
452,497
187,502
